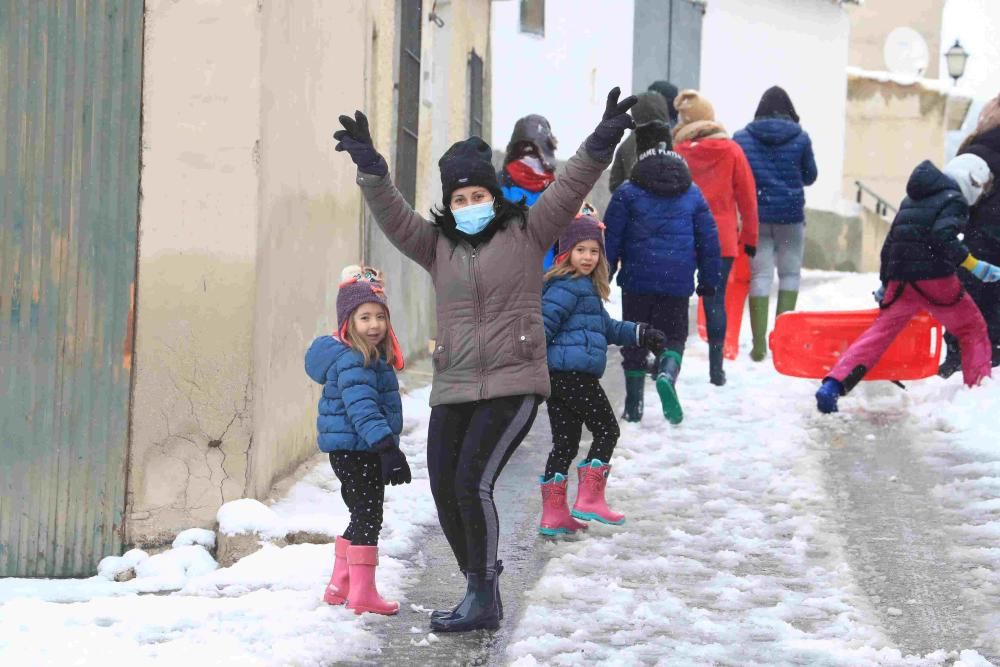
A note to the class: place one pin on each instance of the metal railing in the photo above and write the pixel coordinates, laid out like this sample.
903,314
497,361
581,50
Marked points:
882,207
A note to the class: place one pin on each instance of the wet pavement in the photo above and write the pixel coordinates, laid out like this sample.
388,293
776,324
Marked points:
441,585
898,538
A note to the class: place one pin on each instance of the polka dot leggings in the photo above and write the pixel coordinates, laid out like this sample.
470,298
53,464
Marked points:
578,399
360,475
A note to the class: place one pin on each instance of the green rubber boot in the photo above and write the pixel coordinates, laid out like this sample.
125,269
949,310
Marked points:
786,301
666,381
758,325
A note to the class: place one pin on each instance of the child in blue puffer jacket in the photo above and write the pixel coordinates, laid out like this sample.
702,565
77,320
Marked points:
661,230
360,418
578,330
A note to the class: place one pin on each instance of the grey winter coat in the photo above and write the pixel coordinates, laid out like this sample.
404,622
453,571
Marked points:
490,336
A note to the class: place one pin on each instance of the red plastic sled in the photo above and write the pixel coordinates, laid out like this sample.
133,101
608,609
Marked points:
808,345
737,290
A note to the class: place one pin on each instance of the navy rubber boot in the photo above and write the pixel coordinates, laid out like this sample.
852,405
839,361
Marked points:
635,382
478,610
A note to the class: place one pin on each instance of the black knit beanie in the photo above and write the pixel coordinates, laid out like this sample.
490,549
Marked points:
467,163
669,92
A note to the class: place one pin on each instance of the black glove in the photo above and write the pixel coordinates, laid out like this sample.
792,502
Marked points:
751,251
704,290
356,139
394,467
652,339
601,143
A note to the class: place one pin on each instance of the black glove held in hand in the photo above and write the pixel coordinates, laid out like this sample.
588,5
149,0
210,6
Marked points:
704,290
601,143
751,251
356,139
652,339
394,467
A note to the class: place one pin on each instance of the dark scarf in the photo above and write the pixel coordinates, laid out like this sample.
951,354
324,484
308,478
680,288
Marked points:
776,104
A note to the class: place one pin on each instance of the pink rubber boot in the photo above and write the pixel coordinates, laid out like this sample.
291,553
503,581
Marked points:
590,504
336,590
555,511
363,596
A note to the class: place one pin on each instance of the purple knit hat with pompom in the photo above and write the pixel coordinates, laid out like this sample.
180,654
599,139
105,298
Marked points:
583,228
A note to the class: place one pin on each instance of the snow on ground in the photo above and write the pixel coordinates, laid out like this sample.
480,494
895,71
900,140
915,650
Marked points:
727,556
267,609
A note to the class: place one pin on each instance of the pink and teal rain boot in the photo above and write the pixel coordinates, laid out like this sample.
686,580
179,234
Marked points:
590,504
556,519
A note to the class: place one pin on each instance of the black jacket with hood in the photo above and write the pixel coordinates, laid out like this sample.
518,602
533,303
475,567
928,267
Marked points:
923,242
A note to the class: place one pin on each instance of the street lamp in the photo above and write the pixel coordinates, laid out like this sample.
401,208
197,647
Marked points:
956,57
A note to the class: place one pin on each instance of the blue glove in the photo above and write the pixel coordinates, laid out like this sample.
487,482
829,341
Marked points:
986,272
879,294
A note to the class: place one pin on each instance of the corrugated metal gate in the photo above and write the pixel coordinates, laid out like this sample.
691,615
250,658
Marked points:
70,103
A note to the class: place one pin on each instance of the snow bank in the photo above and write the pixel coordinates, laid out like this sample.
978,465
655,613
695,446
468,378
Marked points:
205,538
266,609
246,515
111,566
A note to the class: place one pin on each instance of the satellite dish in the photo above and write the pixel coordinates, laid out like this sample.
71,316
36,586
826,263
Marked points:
906,52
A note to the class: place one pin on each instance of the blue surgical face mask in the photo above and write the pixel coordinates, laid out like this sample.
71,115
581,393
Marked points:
473,219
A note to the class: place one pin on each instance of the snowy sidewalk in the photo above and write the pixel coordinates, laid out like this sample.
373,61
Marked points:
731,554
735,550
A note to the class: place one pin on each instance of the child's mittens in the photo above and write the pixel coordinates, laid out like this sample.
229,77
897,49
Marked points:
985,271
704,290
652,339
395,469
879,294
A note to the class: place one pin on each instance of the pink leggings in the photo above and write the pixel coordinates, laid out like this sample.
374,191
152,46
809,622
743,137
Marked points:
962,319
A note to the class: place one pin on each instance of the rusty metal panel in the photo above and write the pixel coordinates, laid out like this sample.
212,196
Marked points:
70,104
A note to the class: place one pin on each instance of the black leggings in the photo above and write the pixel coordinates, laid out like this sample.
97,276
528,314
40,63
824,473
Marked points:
578,399
360,475
669,314
468,445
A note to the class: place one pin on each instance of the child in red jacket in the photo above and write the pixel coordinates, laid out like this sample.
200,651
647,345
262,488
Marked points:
719,167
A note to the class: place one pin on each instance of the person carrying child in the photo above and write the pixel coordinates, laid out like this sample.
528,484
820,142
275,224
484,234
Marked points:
360,418
920,257
660,228
577,331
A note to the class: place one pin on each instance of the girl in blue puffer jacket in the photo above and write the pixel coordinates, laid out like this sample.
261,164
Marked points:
577,331
360,418
661,230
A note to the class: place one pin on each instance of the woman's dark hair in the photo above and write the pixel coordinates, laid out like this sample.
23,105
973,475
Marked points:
506,211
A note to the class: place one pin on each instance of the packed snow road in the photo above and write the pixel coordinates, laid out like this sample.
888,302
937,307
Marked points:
758,533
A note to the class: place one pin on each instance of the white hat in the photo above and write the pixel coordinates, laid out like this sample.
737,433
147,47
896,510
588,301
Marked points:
971,173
